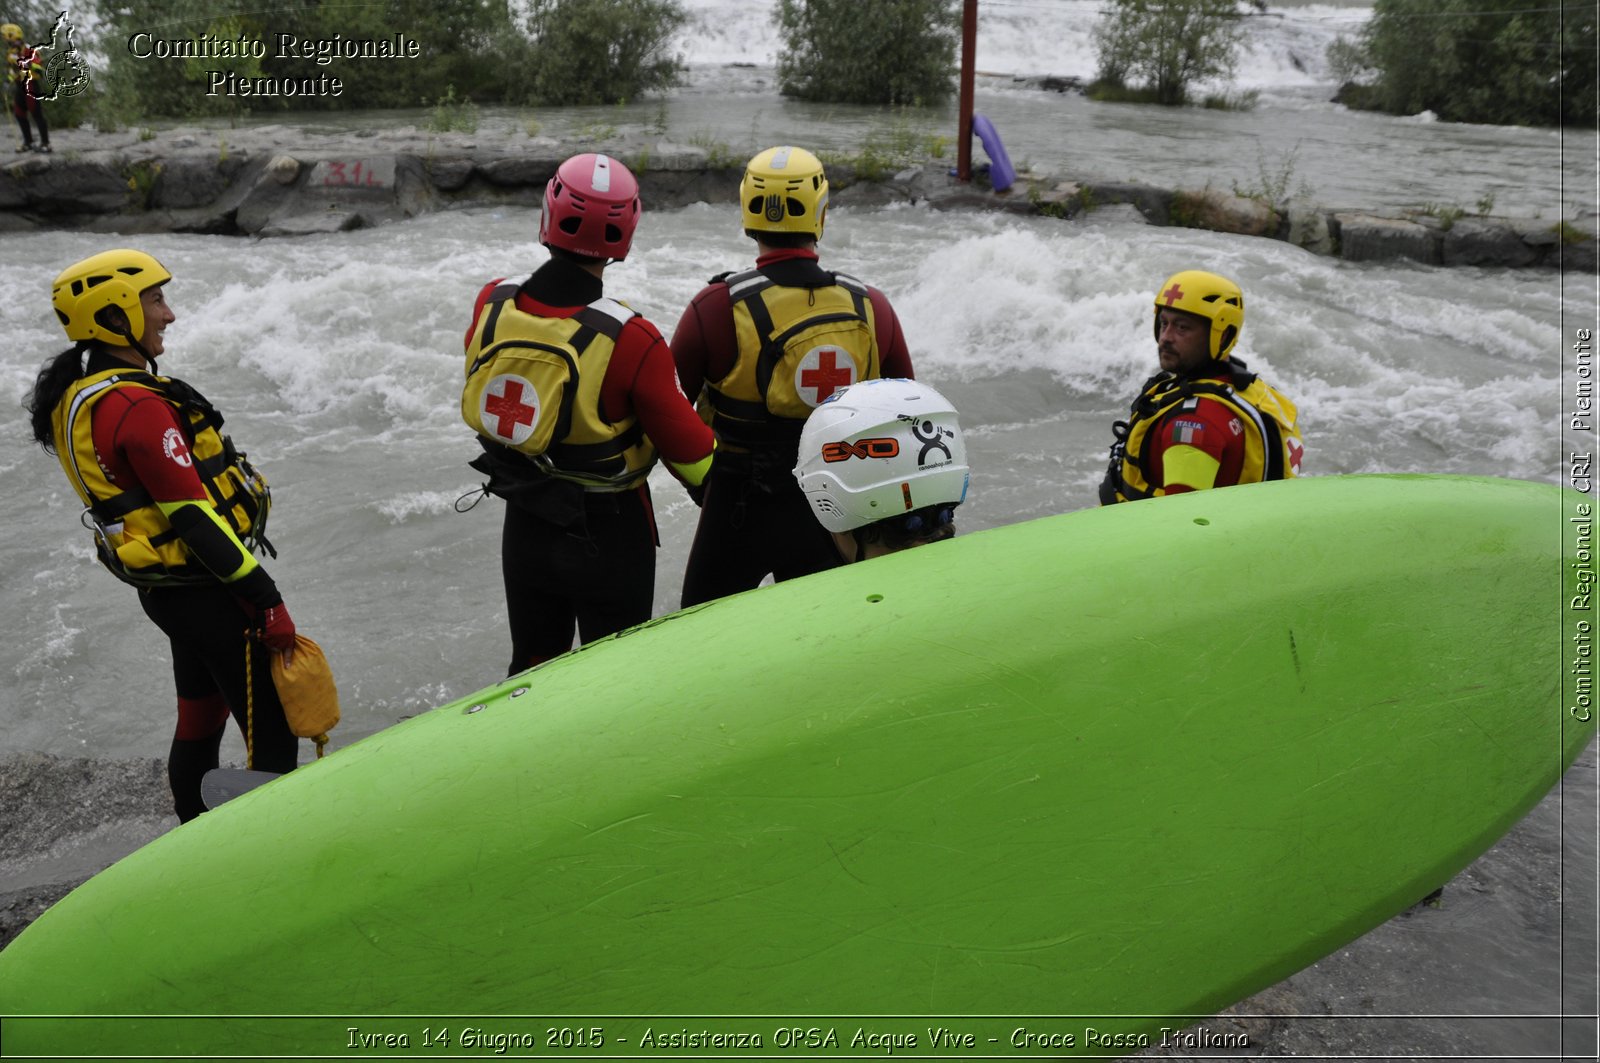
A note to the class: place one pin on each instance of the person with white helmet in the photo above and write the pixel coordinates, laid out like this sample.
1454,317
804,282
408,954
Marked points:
573,397
1204,420
24,82
758,351
176,510
883,466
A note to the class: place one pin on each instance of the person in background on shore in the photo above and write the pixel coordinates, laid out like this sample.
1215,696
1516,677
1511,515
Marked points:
24,79
572,396
1205,420
177,512
758,351
883,466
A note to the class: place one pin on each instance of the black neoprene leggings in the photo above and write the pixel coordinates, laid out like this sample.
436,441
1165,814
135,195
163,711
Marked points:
206,626
599,577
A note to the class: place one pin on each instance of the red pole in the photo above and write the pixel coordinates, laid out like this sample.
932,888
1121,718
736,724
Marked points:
969,60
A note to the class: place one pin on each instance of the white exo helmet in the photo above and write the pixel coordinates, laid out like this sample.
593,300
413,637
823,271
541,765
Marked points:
881,449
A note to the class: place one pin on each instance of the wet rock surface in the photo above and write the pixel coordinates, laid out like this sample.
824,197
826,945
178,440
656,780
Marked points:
281,181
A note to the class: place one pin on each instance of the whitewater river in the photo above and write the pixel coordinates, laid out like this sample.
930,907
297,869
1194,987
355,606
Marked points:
338,362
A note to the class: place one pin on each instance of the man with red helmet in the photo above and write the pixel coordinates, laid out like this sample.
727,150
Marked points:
573,397
759,350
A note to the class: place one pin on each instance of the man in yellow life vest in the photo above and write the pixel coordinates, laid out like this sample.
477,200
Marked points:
176,510
24,82
1205,420
759,350
573,399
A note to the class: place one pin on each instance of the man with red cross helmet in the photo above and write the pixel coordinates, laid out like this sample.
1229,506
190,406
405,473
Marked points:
175,509
759,350
1205,420
573,397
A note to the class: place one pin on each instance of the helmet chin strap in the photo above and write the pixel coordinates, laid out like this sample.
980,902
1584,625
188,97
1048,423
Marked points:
149,359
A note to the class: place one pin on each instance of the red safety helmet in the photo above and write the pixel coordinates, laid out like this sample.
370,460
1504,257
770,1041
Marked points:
591,207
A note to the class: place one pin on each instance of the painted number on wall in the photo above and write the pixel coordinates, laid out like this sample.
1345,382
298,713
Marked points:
348,173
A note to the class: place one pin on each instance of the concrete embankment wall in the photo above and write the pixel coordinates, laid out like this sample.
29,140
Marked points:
197,182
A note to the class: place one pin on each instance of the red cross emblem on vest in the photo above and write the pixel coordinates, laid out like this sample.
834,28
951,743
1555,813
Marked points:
820,374
1172,294
510,408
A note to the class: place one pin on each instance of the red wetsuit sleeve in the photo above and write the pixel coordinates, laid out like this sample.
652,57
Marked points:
137,437
641,380
1211,428
139,443
703,345
895,356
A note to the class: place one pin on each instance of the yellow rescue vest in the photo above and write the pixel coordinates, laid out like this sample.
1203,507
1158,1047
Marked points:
1272,441
132,535
533,394
797,346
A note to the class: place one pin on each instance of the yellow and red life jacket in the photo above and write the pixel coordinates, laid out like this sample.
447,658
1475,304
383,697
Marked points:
132,535
533,394
1272,441
797,346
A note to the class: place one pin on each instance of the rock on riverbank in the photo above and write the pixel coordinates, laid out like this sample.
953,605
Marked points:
282,181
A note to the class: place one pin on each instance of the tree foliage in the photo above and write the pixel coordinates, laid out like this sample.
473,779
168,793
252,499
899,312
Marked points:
1512,62
867,51
1168,44
468,44
601,51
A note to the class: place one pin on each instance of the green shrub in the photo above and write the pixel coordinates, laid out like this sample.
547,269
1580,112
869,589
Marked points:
1513,62
1167,44
883,52
451,115
600,51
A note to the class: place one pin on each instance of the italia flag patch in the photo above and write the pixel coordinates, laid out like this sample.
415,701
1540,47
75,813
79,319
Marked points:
508,409
823,371
1189,432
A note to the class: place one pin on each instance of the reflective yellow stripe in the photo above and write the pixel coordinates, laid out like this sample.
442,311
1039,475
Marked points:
247,566
1190,467
694,473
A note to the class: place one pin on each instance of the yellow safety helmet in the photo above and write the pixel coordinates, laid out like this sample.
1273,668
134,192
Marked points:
784,191
11,32
111,278
1208,295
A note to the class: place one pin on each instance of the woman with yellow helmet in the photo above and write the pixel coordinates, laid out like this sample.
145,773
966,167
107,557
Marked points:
1205,420
175,509
759,350
24,76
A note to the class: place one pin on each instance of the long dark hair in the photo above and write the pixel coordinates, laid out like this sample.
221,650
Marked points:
55,377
